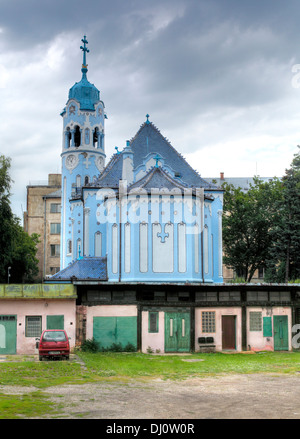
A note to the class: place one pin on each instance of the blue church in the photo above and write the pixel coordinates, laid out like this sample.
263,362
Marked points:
141,233
145,216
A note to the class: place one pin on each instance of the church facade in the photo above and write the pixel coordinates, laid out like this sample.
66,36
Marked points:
141,240
144,216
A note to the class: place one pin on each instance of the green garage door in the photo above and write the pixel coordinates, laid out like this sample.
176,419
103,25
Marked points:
8,334
109,330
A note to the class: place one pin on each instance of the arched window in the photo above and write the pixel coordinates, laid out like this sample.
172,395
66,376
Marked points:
96,138
77,136
67,138
86,180
78,181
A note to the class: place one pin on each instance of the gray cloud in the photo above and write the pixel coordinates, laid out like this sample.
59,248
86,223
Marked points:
214,76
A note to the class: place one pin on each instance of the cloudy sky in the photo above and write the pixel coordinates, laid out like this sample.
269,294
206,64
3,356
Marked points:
219,78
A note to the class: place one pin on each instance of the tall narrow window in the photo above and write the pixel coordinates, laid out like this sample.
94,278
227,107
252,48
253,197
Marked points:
68,137
127,244
143,247
153,321
205,244
69,249
77,136
79,248
98,244
208,321
181,248
171,327
115,248
96,138
54,249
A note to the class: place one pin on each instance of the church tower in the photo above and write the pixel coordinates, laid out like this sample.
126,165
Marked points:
83,152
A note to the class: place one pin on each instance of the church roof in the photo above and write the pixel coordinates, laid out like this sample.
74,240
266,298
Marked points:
111,174
88,268
158,178
149,140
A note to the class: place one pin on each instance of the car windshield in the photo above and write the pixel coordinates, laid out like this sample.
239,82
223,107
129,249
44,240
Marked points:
54,336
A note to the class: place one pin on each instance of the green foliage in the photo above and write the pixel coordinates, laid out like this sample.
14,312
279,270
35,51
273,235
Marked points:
247,221
261,227
284,257
18,249
91,345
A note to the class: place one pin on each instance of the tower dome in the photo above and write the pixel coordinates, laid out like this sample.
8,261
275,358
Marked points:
84,92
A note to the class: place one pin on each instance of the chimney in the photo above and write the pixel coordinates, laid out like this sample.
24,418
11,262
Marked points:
221,175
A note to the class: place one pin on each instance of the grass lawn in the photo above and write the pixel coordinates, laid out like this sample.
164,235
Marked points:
26,371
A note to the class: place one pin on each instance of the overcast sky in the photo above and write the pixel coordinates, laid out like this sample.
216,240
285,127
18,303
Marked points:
219,78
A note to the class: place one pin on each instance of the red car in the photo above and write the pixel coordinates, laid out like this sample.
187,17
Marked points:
54,343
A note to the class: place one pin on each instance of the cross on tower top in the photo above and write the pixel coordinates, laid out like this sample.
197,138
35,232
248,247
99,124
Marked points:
85,51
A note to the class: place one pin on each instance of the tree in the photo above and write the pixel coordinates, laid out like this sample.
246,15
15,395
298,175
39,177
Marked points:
247,221
284,258
17,248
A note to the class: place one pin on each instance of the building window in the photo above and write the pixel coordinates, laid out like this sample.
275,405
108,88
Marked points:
69,247
55,208
54,270
255,321
254,296
77,136
55,228
153,321
54,249
261,272
225,296
33,326
207,297
208,321
280,296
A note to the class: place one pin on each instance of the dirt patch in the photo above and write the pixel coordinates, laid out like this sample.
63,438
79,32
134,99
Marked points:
223,397
239,396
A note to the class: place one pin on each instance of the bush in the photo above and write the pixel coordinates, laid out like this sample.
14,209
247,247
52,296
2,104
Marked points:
90,345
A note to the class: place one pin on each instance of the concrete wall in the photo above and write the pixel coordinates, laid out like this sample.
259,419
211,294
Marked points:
43,307
154,340
217,335
255,339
